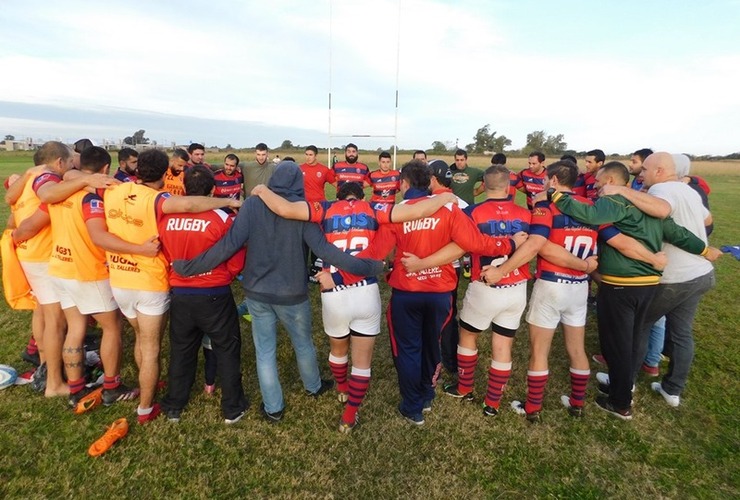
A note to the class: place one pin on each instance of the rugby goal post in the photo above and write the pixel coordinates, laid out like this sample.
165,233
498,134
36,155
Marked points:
331,134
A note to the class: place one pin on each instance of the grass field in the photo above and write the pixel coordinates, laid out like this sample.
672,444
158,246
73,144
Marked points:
687,452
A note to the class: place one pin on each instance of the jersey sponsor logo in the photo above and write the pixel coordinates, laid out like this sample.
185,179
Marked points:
122,264
503,227
460,178
350,221
195,225
96,206
115,213
420,225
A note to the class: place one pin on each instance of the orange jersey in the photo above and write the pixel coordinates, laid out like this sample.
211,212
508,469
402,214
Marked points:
131,212
174,184
73,254
38,248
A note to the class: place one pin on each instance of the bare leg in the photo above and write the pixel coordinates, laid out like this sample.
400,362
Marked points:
110,344
73,352
54,325
540,340
148,341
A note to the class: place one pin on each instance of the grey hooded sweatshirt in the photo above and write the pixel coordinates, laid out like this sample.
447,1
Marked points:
275,266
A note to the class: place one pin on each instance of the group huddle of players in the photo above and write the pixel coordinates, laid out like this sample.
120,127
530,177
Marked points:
94,246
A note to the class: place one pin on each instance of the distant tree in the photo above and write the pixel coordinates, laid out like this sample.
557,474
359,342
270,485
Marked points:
485,140
228,146
139,137
287,144
439,147
9,137
548,144
128,140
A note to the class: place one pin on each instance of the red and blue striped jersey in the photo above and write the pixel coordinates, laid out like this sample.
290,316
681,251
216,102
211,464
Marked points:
385,186
531,184
350,225
500,219
576,237
351,172
585,186
228,186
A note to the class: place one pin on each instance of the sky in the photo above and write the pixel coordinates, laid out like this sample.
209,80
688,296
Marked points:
615,75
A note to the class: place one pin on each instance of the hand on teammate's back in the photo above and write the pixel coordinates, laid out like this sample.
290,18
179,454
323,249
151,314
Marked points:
411,263
325,280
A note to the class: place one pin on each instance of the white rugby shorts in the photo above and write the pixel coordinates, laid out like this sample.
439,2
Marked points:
552,303
37,275
354,308
503,306
150,303
90,297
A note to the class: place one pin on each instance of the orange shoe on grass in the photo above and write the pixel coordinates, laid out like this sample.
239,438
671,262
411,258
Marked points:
116,431
87,403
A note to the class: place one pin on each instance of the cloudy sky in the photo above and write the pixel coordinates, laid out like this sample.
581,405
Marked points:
615,75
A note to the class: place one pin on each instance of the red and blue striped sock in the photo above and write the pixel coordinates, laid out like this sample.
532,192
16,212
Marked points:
498,376
466,361
578,382
536,382
339,370
359,382
76,386
111,382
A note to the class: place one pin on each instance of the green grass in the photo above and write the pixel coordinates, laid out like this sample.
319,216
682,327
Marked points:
687,452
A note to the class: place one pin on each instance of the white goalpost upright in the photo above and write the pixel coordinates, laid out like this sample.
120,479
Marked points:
331,134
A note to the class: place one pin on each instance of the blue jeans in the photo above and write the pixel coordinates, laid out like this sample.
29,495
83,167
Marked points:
655,343
678,303
297,321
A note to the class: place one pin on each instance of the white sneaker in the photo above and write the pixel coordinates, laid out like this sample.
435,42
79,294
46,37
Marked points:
518,407
565,399
602,378
669,398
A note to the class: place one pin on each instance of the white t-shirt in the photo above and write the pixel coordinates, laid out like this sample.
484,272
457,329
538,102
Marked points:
688,211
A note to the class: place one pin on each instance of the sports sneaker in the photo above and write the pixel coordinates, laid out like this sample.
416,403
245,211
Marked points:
116,431
347,428
452,391
573,411
93,397
518,407
231,421
599,359
326,384
489,411
38,383
209,389
416,418
342,397
272,418
603,403
34,359
671,399
427,408
25,378
173,415
650,371
156,410
120,393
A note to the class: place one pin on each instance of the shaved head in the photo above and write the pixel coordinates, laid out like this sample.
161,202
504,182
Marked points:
658,167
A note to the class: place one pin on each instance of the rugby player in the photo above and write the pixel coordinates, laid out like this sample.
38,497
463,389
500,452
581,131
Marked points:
139,283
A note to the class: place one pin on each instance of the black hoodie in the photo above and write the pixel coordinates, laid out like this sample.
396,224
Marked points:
275,267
